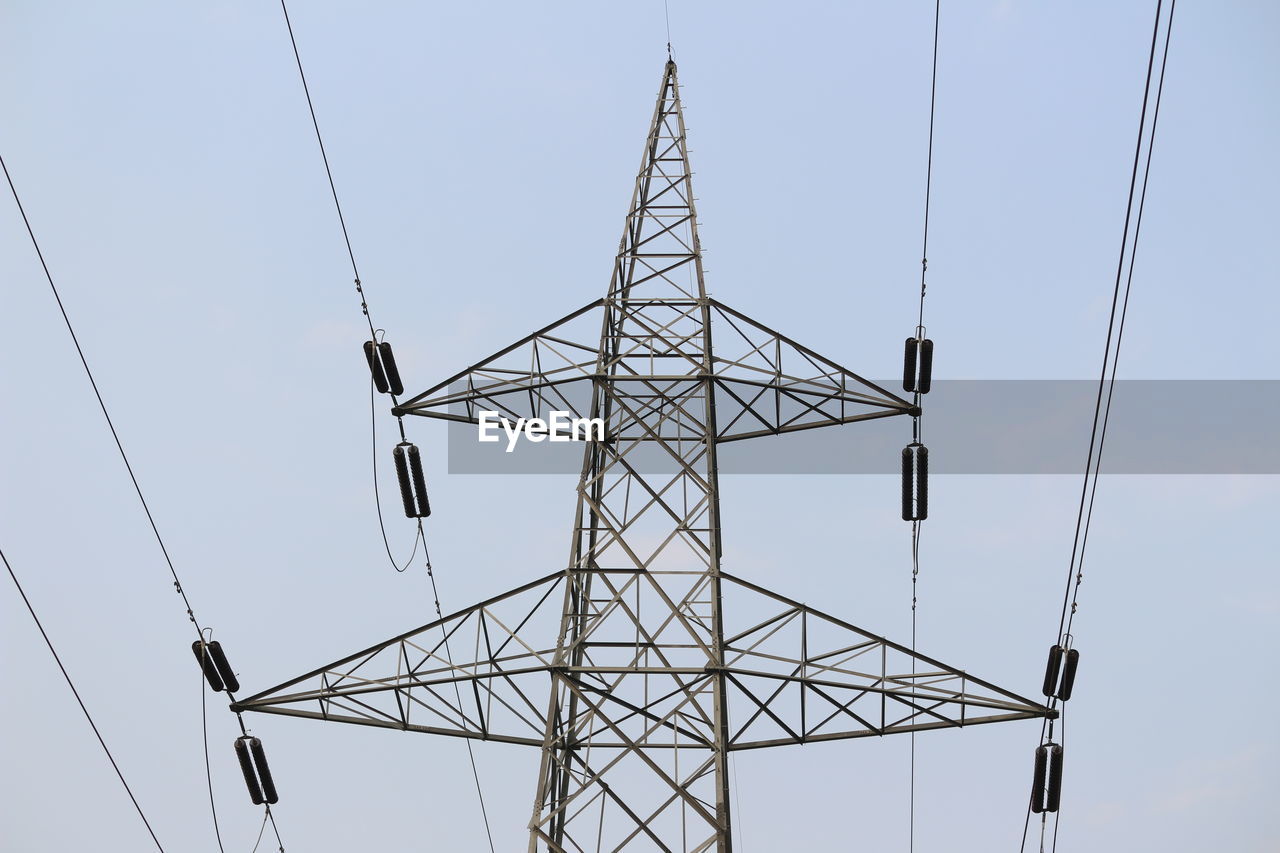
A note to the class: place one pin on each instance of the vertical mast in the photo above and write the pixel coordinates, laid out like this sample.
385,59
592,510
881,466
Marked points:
634,748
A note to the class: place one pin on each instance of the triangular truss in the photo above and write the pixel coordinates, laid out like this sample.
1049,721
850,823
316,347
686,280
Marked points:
805,676
638,668
769,384
494,688
796,674
550,369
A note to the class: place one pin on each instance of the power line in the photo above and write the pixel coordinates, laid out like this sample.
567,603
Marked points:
373,336
1093,458
1062,735
177,583
1065,631
916,425
666,14
355,271
1124,311
1110,362
208,771
457,692
80,701
261,830
928,181
419,536
271,816
333,188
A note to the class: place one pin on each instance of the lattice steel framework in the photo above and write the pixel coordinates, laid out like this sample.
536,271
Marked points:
639,667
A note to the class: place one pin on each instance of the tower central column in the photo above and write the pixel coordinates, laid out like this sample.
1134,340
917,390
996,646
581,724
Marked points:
638,663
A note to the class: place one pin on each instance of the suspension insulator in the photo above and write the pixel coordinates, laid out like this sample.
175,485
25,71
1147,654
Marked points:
915,482
402,475
909,365
1038,778
205,656
394,385
922,483
224,668
908,479
419,482
264,772
375,367
926,366
1053,788
413,485
1051,671
917,365
246,767
1068,674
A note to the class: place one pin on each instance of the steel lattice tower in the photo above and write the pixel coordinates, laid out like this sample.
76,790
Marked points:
640,666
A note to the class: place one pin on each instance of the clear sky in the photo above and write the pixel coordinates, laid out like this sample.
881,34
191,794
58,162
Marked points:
485,155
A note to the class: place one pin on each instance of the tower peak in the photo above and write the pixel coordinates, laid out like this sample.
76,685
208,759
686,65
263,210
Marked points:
660,256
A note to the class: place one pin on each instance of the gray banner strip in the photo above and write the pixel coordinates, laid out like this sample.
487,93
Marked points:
984,426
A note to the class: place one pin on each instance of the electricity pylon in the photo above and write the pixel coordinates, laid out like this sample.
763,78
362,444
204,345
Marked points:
638,668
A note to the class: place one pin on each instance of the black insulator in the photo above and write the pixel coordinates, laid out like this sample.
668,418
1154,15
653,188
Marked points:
1051,671
375,367
406,489
909,365
917,365
908,508
1068,675
1038,778
224,668
915,482
389,368
922,482
419,482
926,366
264,772
1053,788
246,767
207,664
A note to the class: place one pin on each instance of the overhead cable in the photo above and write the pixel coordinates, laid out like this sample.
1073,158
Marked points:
917,379
155,530
1061,667
67,676
385,378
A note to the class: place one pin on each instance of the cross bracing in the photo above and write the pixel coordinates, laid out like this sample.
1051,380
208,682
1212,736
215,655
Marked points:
767,383
638,667
803,675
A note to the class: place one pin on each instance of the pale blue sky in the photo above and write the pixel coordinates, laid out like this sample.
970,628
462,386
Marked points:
485,154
